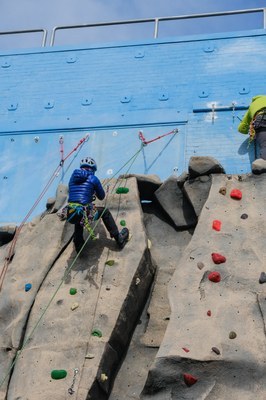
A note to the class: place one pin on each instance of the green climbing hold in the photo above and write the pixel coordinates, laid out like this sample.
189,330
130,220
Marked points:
58,374
110,263
121,190
72,291
96,332
123,222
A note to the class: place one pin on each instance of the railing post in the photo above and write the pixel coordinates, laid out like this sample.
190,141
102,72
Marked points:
156,28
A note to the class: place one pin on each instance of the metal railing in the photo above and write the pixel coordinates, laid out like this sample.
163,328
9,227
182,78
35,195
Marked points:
157,20
44,34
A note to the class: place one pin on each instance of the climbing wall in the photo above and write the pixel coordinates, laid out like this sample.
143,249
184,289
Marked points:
214,346
113,91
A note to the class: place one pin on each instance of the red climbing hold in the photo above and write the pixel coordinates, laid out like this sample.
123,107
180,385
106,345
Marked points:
236,194
214,277
209,313
218,258
185,349
216,224
189,379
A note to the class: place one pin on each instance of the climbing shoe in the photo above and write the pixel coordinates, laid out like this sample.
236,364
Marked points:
259,166
122,238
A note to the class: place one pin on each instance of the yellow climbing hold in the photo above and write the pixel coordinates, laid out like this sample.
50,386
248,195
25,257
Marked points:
74,306
110,263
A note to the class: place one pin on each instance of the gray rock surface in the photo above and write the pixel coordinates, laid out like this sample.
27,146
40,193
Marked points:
204,166
181,322
197,191
204,314
175,204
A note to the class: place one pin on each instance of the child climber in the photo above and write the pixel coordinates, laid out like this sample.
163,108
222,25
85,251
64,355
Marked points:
83,187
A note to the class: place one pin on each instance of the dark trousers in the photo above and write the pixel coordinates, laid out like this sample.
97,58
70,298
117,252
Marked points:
108,221
261,142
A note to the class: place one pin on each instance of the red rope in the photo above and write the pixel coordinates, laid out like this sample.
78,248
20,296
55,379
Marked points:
18,230
145,142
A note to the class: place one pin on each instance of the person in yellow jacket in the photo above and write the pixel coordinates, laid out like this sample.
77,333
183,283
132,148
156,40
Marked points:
254,123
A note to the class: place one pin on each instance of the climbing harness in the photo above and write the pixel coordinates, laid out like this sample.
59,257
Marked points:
83,214
71,389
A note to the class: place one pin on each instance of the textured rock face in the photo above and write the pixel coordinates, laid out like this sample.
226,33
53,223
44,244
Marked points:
216,333
194,338
204,166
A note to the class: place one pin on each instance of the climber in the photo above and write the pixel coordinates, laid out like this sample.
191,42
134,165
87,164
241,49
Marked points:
83,187
254,122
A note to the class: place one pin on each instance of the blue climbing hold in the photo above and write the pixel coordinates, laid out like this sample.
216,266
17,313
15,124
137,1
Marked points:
28,287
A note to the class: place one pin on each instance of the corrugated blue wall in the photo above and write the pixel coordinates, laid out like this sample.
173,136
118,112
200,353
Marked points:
200,85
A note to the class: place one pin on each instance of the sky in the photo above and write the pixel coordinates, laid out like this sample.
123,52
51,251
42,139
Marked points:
40,14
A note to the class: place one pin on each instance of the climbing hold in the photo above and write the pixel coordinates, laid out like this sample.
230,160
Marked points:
185,349
122,190
216,225
28,287
236,194
223,190
72,291
90,356
214,277
58,374
123,222
104,377
74,306
189,379
232,335
218,258
209,313
110,263
137,281
244,216
200,265
216,351
96,332
262,277
149,244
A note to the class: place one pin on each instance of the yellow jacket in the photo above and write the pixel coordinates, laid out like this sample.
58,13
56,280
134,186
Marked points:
258,102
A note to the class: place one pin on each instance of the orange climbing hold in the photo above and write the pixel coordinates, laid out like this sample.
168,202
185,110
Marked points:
214,277
218,258
236,194
216,225
190,379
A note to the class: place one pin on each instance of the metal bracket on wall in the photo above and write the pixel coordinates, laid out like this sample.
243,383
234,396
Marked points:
163,96
49,104
87,101
244,90
210,107
125,99
12,106
5,63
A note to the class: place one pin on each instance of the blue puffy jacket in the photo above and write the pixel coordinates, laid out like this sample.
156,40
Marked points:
83,184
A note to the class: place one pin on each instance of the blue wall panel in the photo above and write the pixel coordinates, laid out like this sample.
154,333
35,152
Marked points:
201,85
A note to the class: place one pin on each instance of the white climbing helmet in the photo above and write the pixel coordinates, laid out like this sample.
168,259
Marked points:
88,162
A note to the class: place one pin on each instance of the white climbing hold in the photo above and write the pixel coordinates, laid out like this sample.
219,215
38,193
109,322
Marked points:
74,306
90,356
104,377
137,281
149,244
